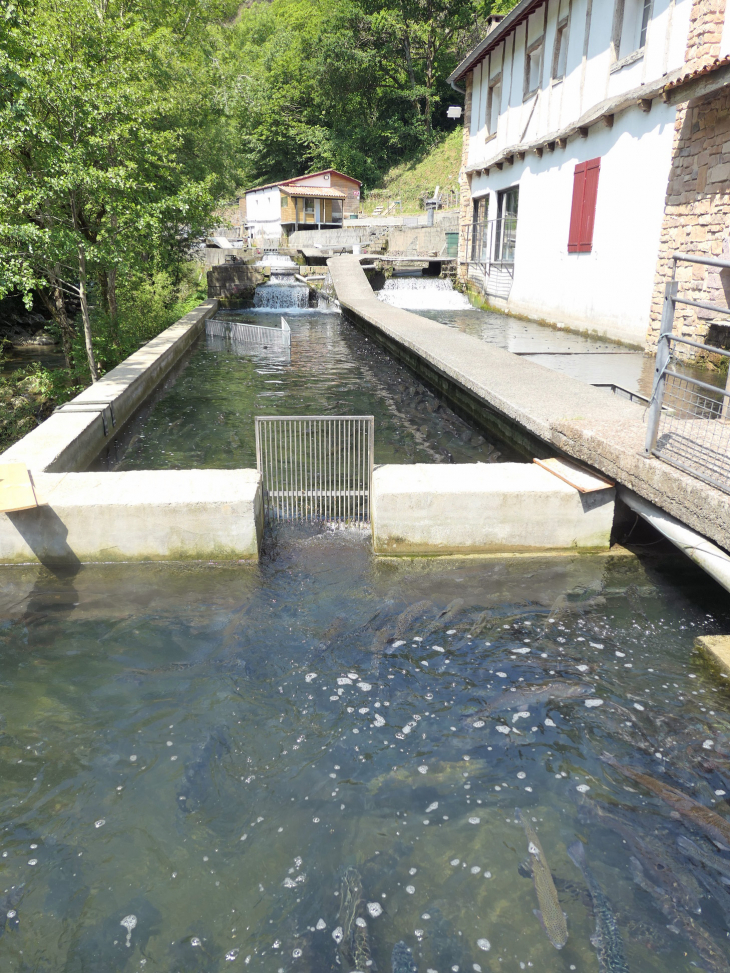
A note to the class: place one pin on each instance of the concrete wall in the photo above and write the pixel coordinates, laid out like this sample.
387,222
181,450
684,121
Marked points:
140,515
480,508
229,282
137,516
71,438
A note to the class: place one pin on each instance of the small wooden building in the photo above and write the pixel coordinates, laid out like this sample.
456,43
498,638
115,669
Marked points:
320,200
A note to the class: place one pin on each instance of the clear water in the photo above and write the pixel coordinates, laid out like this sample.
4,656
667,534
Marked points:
201,752
205,417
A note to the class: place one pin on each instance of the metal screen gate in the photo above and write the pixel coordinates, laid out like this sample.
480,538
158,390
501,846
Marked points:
316,467
250,333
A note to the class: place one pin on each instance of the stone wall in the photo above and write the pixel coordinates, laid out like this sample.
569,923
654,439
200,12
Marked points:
697,208
465,205
233,282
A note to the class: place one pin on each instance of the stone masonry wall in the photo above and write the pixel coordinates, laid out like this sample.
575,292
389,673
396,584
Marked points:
465,205
697,207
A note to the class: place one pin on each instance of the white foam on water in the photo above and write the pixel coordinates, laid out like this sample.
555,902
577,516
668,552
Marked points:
375,909
423,293
484,944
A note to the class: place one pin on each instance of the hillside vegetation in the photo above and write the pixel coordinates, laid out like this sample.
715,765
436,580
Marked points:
411,181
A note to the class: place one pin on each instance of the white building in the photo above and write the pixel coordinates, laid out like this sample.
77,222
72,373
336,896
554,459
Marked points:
568,148
320,200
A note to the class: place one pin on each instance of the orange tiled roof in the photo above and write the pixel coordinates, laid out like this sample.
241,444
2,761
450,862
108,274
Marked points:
320,192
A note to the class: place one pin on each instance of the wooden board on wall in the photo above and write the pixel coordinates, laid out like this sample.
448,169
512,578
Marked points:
16,488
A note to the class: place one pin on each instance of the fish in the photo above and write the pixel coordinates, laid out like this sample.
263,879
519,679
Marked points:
407,617
550,914
689,848
446,615
539,693
479,624
606,939
198,775
354,943
715,827
402,959
650,851
701,940
9,909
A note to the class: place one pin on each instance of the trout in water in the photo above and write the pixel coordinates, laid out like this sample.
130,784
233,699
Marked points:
409,615
539,693
693,851
606,938
550,914
714,826
354,945
445,616
402,959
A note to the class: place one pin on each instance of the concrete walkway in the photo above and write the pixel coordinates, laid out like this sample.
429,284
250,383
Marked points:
555,411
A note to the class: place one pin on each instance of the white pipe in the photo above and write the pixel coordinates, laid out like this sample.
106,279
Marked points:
707,555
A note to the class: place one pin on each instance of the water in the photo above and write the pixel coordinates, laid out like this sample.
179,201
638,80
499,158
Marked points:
192,756
204,416
281,292
423,293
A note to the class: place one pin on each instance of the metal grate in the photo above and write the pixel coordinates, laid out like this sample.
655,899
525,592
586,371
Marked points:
692,433
254,334
316,467
688,421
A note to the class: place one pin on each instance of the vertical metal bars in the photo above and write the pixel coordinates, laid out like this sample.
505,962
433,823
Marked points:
316,467
253,333
687,419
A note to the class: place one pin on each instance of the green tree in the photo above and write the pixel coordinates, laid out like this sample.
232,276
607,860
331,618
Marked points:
110,155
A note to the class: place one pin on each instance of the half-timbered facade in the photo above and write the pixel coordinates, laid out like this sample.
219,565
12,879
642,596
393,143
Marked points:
568,146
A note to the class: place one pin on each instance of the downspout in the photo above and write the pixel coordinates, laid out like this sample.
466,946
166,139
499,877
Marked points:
704,553
454,85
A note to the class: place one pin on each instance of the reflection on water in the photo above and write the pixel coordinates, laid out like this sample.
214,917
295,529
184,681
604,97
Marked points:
278,767
205,417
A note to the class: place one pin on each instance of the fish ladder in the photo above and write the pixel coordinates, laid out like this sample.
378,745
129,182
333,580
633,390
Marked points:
253,334
316,467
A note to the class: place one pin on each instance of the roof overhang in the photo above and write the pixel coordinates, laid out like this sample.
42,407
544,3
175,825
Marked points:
316,192
704,80
495,37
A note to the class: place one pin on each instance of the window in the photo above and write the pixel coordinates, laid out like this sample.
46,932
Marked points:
630,26
506,229
480,208
560,51
583,211
494,98
533,68
309,207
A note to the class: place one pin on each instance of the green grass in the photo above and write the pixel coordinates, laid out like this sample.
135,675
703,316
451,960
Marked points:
413,180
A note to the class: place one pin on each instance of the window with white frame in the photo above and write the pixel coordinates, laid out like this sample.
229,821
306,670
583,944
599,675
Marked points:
560,51
533,67
631,23
494,97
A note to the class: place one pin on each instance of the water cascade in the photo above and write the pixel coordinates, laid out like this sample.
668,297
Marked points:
423,294
281,292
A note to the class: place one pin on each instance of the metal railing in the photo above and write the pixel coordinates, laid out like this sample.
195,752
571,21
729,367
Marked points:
688,420
254,334
316,467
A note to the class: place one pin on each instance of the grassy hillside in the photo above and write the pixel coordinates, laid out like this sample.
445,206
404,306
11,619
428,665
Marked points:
413,180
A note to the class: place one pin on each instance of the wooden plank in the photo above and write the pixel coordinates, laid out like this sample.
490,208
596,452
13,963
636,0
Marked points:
573,474
16,488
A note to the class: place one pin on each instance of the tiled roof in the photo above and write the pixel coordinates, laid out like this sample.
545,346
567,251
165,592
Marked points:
296,179
708,68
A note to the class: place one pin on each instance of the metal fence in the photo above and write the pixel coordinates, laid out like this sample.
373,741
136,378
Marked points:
316,467
254,334
688,420
491,242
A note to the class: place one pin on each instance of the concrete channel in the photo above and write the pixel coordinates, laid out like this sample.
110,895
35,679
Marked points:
544,412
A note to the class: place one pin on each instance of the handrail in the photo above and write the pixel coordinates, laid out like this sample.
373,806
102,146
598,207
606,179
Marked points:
695,344
692,259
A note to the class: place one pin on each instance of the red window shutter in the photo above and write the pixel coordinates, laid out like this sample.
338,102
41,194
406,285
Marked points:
579,179
588,216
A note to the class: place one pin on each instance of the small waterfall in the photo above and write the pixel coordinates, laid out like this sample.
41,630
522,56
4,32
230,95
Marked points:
423,294
278,261
281,292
